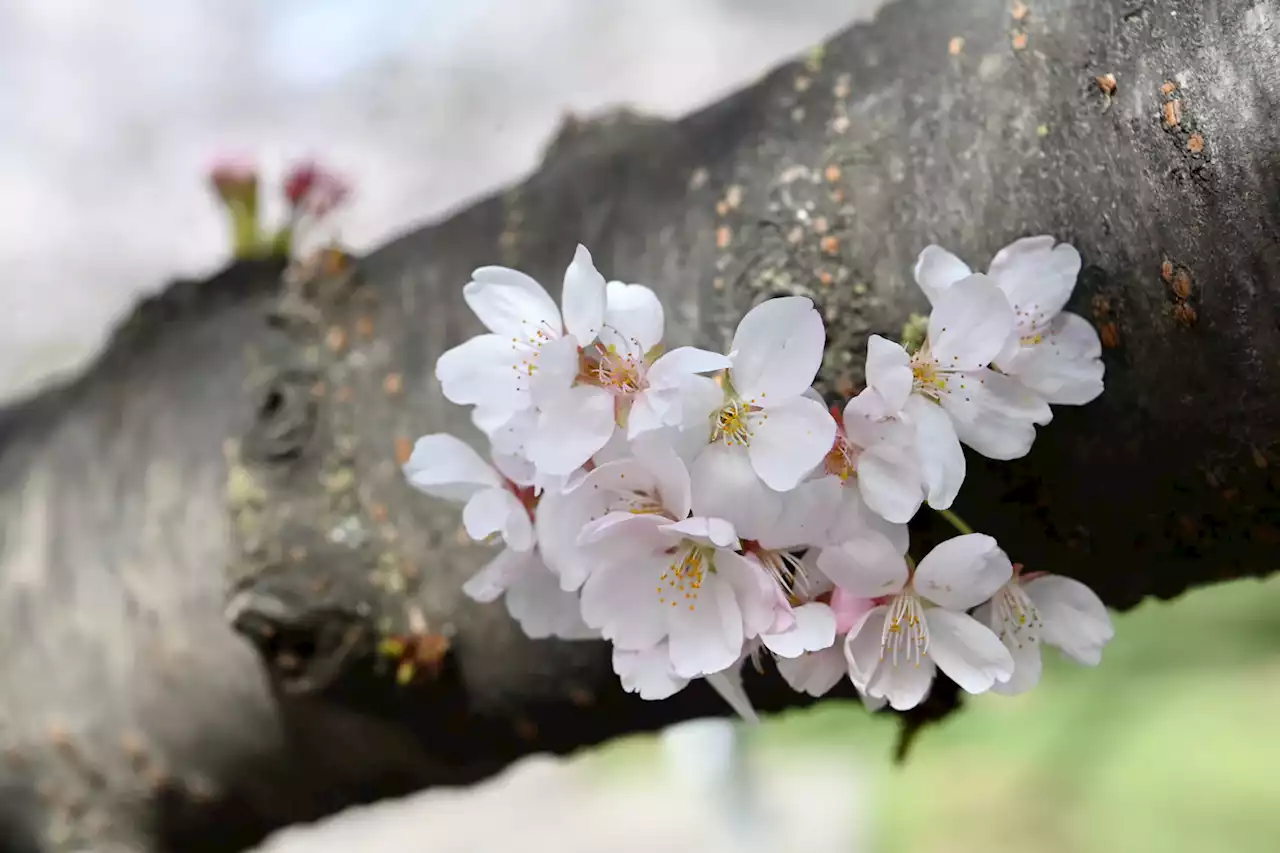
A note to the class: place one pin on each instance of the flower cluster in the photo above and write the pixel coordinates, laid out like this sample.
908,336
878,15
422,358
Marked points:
698,509
311,193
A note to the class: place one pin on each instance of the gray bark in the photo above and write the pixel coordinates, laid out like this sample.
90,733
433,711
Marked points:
213,457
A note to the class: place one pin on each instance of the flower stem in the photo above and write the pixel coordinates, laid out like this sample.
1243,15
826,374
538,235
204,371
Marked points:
956,521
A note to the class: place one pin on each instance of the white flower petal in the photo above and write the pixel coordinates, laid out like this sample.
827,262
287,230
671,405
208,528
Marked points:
970,324
757,593
634,313
583,298
622,531
617,447
790,440
728,683
648,413
446,467
620,599
937,269
967,651
871,703
699,398
868,419
863,647
648,672
891,481
808,512
484,371
542,609
941,458
724,485
904,684
1036,277
857,519
515,468
554,370
777,350
963,571
497,575
498,511
814,673
1027,665
558,521
489,420
511,438
669,476
1075,619
889,372
511,304
1065,368
671,367
997,436
865,566
1010,397
707,531
581,422
814,630
705,635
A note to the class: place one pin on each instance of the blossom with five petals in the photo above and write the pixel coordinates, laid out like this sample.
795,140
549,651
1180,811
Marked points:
1053,352
919,624
1040,608
680,581
766,414
950,373
498,503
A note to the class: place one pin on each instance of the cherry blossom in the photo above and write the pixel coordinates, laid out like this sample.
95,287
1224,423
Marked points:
1055,353
766,415
496,371
1040,608
876,452
655,482
680,581
446,467
919,623
991,412
697,511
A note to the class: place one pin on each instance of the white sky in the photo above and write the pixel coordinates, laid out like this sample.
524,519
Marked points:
109,113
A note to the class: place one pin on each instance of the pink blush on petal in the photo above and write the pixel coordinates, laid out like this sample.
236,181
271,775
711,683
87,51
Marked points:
848,609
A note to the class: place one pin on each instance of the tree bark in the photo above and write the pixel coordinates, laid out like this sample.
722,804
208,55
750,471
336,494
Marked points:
238,442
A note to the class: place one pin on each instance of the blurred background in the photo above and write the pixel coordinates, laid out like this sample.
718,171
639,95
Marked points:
110,115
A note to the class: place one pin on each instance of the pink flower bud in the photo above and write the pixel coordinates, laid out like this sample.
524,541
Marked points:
233,177
315,187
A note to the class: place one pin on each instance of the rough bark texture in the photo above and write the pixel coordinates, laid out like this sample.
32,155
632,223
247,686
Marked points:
238,442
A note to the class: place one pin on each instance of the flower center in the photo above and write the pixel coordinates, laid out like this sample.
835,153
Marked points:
1016,617
529,344
929,378
683,578
842,459
618,372
732,423
1031,323
637,503
906,633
